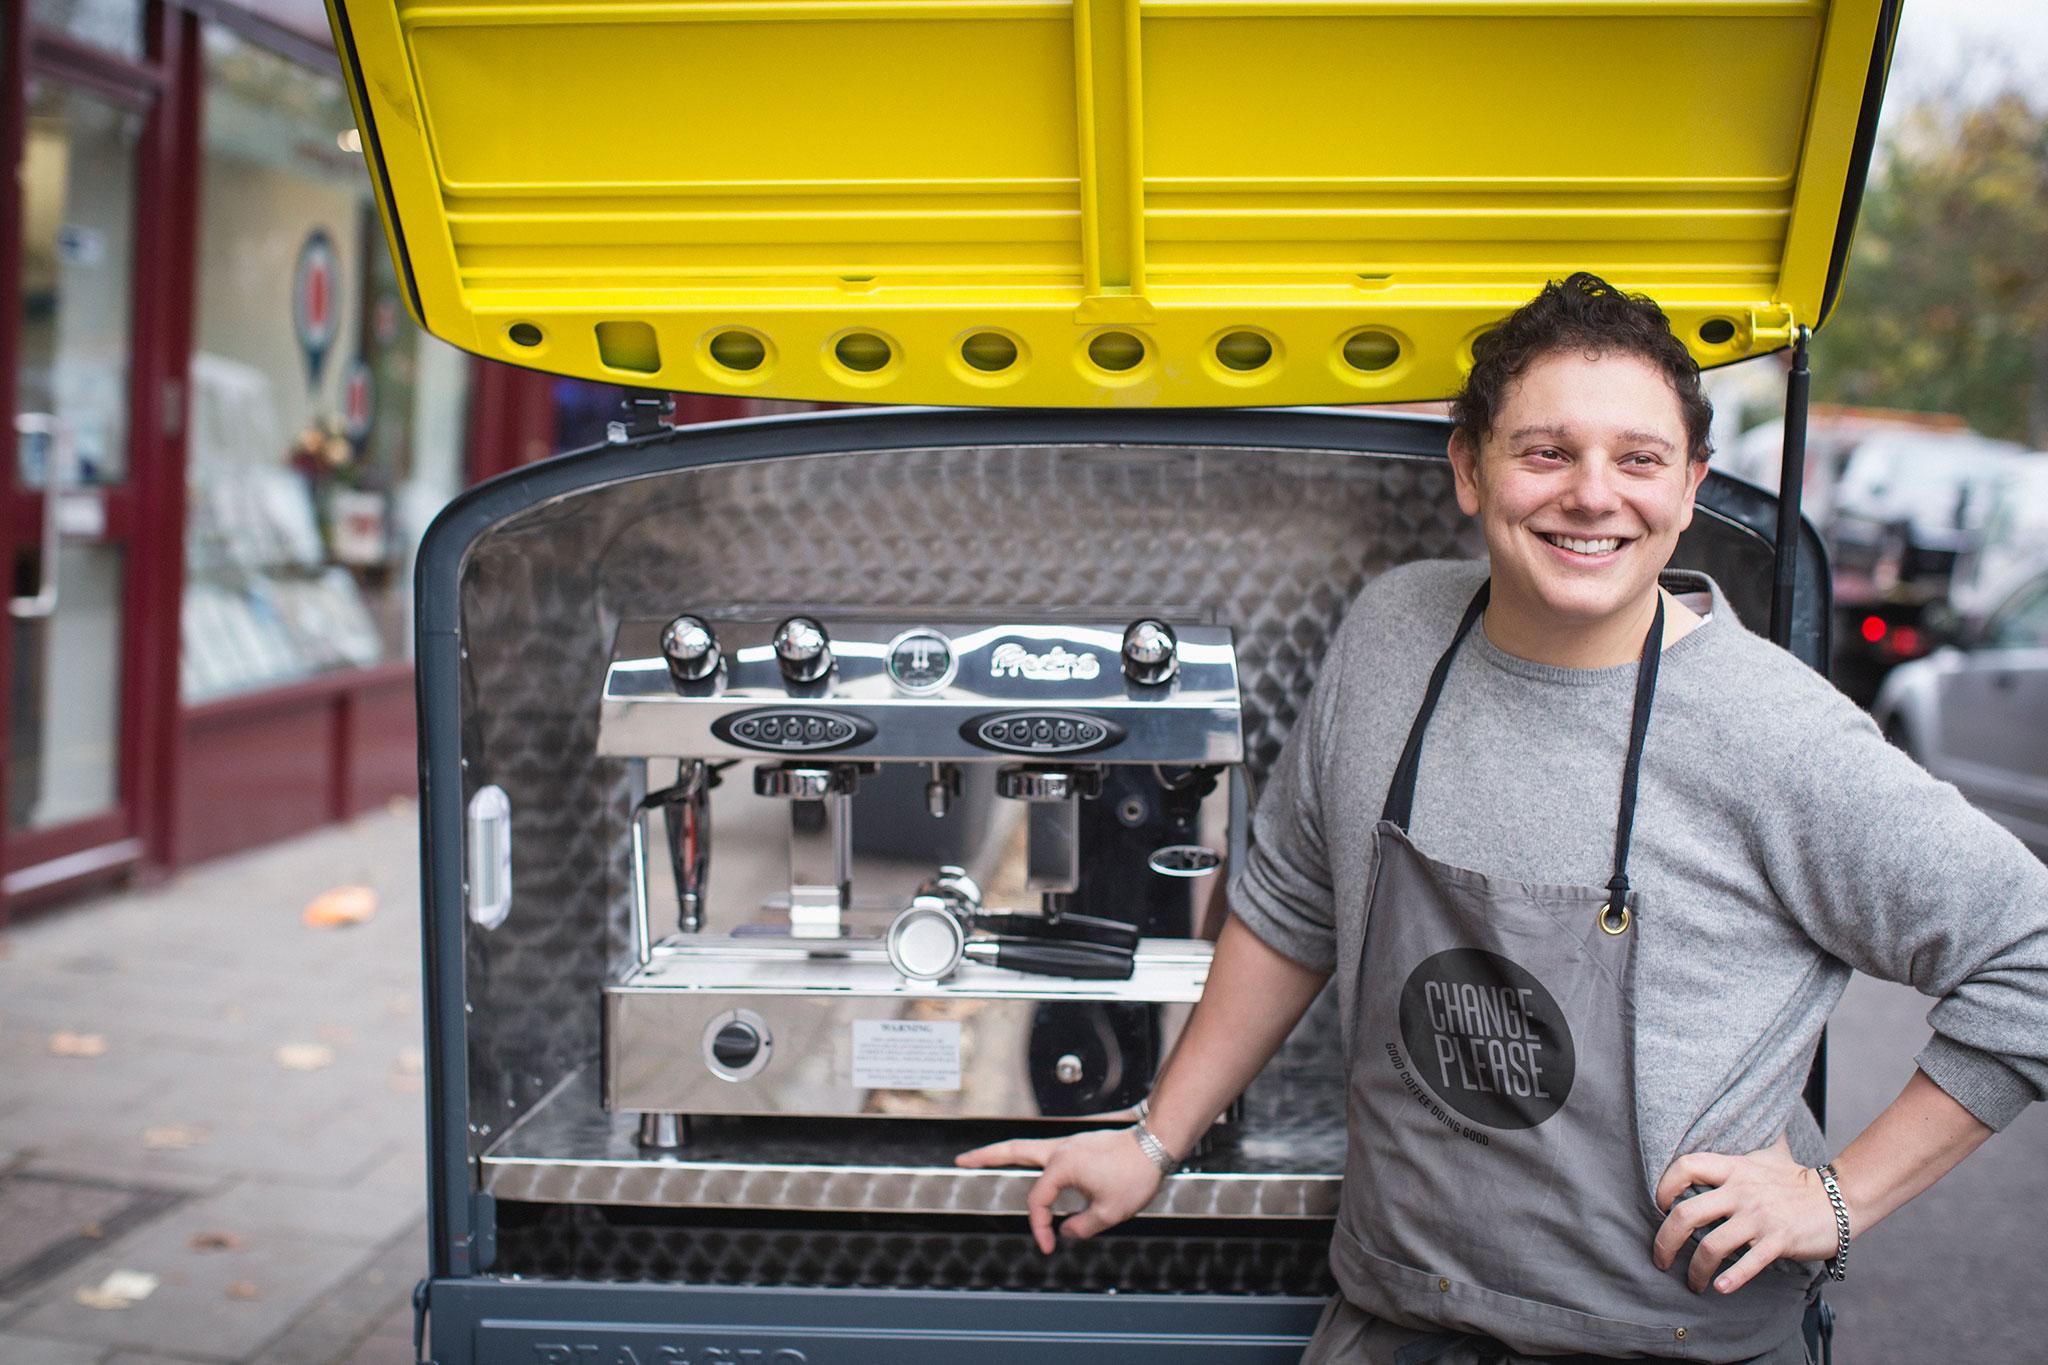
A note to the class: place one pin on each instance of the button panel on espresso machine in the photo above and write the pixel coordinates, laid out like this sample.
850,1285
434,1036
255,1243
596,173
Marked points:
1097,745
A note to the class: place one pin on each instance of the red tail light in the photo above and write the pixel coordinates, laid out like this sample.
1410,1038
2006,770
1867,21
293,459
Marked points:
1874,628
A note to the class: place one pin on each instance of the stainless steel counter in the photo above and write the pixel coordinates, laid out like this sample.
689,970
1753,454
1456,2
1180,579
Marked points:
1283,1160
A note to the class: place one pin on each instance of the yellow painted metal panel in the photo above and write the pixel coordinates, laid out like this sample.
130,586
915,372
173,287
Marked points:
1099,202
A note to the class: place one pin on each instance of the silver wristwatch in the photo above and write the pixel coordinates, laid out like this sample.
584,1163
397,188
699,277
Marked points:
1154,1150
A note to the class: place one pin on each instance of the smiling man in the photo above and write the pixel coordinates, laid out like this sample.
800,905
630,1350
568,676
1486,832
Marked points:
1579,447
1585,937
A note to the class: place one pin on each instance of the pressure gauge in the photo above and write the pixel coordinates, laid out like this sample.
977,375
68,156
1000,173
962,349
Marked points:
921,661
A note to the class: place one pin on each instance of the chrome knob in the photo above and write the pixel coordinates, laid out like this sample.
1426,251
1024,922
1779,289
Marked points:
1035,784
800,784
803,650
691,649
952,885
1151,652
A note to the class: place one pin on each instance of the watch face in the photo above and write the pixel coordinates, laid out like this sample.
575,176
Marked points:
921,660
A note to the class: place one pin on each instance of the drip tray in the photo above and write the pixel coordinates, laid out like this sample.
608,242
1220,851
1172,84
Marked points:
1283,1159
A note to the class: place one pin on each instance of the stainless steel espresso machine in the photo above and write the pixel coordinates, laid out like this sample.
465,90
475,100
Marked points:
1048,997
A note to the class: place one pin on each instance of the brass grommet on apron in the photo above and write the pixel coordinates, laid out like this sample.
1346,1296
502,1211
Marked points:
1680,1334
1610,923
1444,1286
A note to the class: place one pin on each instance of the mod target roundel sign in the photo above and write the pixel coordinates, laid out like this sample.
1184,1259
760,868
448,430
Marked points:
316,300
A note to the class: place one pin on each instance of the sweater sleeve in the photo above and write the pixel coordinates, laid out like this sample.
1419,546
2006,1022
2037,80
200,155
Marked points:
1283,893
1893,872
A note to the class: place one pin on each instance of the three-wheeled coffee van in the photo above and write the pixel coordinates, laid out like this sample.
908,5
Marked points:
972,698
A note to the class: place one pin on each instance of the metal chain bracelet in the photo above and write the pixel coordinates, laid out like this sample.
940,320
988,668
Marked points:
1838,1264
1154,1150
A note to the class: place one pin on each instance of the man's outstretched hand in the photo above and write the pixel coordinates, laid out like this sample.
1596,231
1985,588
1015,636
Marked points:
1107,1167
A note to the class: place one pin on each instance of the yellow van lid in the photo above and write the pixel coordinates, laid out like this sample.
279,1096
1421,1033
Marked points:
1101,203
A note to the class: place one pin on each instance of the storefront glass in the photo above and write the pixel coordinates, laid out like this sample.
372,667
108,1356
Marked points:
326,429
78,177
112,25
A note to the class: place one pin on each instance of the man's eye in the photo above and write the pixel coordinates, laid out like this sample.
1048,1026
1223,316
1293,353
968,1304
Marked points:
1546,453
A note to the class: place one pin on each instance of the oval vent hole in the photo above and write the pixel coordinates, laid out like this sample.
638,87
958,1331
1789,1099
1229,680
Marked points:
989,352
1116,351
739,350
1370,351
1244,351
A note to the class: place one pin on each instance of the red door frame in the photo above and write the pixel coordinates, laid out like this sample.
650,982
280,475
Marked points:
145,513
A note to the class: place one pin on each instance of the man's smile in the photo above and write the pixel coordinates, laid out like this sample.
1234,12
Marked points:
1584,547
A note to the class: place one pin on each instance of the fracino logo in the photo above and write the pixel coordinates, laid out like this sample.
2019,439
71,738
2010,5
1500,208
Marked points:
1012,660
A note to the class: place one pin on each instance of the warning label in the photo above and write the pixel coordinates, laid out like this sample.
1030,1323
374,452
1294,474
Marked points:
906,1054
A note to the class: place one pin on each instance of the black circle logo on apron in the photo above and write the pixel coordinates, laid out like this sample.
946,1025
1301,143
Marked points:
1487,1038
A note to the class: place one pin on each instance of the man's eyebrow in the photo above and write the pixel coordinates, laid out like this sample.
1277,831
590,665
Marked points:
1634,436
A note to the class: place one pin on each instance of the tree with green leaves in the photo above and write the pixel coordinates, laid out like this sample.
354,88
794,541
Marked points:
1945,304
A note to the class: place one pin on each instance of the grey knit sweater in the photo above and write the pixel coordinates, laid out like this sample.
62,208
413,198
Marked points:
1779,842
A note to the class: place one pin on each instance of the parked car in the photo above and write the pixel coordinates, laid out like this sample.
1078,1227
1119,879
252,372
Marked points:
1908,505
1975,712
2010,546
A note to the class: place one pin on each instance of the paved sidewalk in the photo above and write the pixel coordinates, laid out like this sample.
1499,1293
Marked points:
238,1115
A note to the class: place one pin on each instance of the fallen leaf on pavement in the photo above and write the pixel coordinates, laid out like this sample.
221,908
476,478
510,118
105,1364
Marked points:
69,1044
342,905
304,1056
120,1289
244,1289
216,1241
175,1137
92,1232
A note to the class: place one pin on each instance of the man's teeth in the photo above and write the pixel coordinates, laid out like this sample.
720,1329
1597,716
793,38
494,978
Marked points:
1586,547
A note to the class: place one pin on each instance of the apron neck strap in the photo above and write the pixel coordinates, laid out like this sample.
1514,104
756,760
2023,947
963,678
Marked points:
1638,731
1401,795
1400,804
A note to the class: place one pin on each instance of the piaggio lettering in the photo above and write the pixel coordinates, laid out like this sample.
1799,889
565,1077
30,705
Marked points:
619,1353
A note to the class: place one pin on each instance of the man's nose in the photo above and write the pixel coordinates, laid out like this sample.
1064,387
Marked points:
1592,486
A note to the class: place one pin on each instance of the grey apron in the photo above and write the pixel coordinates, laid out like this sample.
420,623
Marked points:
1493,1182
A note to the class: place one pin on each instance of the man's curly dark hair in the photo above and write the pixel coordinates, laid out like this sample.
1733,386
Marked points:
1580,313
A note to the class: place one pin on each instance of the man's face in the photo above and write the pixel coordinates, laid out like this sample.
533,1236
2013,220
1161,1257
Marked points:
1581,490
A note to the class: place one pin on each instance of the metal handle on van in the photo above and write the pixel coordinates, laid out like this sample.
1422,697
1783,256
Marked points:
56,436
490,857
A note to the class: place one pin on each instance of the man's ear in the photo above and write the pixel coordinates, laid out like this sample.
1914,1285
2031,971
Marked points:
1465,470
1695,475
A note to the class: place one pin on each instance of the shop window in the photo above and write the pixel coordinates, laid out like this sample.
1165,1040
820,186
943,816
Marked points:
326,428
111,25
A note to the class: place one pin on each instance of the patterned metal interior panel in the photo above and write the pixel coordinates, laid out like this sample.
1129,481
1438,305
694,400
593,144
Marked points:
1271,542
591,1242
